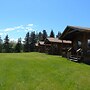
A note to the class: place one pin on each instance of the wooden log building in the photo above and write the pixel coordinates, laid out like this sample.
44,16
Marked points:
52,46
41,46
80,38
55,46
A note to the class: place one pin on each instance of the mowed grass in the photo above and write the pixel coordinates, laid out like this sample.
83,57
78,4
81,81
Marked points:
36,71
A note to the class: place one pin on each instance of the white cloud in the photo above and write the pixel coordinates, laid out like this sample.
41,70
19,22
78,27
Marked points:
27,27
1,34
9,29
14,28
19,27
30,25
5,33
18,30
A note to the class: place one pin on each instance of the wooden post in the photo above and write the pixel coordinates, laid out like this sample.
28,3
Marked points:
62,48
84,43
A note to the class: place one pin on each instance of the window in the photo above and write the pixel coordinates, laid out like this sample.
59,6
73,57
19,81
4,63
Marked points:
79,44
89,43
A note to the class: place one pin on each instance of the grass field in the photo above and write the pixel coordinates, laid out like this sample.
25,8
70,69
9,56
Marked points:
36,71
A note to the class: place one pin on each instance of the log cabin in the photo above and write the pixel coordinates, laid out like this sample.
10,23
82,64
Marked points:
55,46
80,48
41,46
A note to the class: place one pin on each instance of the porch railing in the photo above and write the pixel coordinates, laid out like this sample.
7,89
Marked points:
75,55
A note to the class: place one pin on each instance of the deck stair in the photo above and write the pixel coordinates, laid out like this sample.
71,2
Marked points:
74,58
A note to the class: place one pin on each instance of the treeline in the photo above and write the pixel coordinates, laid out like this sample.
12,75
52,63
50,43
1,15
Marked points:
28,45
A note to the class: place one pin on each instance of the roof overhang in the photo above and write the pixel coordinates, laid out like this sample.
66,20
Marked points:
70,31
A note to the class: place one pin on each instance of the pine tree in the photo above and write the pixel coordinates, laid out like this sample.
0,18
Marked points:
12,46
27,43
44,35
52,34
36,37
6,45
18,46
58,35
32,41
40,36
1,44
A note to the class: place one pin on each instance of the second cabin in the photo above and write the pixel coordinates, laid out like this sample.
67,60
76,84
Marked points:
55,46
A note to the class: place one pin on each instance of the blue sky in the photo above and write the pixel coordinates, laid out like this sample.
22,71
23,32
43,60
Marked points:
17,17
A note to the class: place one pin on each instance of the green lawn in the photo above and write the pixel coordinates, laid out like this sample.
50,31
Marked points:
36,71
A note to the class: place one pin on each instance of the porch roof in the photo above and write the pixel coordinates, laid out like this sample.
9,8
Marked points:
70,31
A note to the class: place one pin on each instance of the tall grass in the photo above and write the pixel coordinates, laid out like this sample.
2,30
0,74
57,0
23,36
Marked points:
36,71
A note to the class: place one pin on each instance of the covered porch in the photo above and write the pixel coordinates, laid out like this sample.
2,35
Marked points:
80,48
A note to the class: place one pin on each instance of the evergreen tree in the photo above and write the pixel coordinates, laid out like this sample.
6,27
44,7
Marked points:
52,34
27,43
1,44
32,41
12,46
44,35
36,37
58,35
40,36
6,45
18,46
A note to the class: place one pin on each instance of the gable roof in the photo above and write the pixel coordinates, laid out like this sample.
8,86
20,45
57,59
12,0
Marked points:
79,28
41,43
71,30
67,41
56,40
